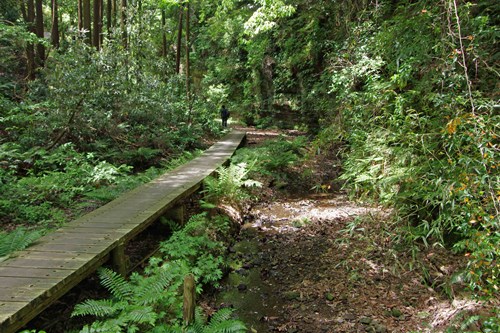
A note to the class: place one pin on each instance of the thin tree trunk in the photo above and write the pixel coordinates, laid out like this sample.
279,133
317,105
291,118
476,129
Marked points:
96,36
30,48
179,41
114,10
55,24
124,23
80,15
23,10
163,34
108,17
40,49
86,21
188,85
101,23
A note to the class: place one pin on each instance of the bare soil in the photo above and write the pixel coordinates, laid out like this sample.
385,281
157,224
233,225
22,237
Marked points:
310,260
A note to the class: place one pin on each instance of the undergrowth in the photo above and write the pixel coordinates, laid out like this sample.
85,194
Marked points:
41,190
420,134
152,302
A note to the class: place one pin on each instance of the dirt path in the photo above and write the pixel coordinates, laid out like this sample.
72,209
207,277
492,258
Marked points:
317,262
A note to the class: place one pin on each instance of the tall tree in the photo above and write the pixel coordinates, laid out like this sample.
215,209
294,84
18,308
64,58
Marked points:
40,49
55,24
188,86
80,15
109,13
86,20
96,35
163,34
124,23
30,48
114,11
179,40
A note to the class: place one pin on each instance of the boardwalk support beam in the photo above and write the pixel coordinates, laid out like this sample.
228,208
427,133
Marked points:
177,214
119,259
189,300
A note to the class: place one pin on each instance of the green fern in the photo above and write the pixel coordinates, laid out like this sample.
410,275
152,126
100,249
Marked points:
220,322
230,183
17,240
153,290
221,315
98,308
115,283
142,315
228,326
133,305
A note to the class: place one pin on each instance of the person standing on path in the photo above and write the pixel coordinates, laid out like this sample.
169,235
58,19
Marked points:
224,114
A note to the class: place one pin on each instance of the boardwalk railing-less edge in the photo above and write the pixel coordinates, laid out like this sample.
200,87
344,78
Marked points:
39,275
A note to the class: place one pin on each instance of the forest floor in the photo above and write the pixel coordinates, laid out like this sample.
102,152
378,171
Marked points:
314,261
310,260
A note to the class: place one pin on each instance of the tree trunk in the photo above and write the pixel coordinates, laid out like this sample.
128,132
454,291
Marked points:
96,36
163,34
30,48
108,17
101,22
40,49
80,15
179,41
23,10
114,10
55,24
124,23
188,85
86,21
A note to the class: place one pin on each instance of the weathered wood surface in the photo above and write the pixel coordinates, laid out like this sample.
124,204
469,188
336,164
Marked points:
34,278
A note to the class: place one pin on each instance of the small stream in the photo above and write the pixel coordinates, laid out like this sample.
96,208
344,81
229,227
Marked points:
255,300
251,287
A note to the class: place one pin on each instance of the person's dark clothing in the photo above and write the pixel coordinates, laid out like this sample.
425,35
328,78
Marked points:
224,114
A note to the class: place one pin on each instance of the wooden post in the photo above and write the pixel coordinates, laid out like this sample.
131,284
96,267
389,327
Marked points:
177,214
189,299
119,260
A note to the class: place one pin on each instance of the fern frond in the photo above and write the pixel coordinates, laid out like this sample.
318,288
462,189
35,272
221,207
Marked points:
152,288
227,326
196,327
115,283
141,315
221,315
17,240
98,308
102,327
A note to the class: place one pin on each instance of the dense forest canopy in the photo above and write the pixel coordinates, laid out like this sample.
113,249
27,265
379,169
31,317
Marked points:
409,89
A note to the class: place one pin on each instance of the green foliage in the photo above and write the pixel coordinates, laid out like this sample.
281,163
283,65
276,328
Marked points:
419,136
464,322
16,240
54,182
220,322
229,184
152,302
196,244
135,304
274,158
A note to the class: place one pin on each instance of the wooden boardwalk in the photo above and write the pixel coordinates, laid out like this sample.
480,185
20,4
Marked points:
36,277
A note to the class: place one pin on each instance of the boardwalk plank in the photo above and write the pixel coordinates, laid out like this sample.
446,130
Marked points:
34,278
50,263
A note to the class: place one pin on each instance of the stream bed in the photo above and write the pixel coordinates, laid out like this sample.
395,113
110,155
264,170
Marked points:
278,251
